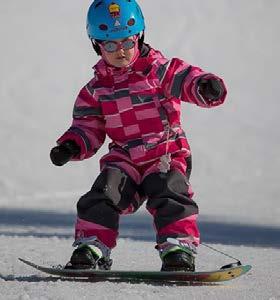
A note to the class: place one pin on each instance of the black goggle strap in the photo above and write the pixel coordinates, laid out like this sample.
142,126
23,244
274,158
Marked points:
96,47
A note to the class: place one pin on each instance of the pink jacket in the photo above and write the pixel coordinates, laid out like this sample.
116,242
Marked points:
137,107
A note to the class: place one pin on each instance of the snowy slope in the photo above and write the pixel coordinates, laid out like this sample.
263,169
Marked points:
46,58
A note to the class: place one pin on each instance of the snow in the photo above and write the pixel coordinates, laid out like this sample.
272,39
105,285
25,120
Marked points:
46,58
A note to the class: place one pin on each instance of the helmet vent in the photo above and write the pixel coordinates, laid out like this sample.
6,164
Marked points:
131,22
103,27
98,4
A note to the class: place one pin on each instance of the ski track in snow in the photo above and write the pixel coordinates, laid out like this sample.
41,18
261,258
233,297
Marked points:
46,58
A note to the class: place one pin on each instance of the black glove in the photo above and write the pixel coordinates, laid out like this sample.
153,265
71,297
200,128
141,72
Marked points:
61,154
211,89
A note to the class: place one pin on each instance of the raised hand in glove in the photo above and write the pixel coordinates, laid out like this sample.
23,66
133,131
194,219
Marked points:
61,154
211,89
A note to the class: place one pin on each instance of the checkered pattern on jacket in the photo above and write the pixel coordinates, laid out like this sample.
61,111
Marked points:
137,107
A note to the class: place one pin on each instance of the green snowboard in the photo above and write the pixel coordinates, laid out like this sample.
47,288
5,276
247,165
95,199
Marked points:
145,276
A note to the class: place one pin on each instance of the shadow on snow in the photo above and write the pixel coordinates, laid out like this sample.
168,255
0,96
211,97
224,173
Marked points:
137,227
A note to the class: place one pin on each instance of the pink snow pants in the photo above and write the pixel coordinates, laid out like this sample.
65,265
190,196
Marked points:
122,187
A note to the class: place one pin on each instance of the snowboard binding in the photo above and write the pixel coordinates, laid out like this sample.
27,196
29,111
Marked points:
177,255
85,257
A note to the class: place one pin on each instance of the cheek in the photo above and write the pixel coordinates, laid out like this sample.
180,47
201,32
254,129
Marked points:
131,53
109,57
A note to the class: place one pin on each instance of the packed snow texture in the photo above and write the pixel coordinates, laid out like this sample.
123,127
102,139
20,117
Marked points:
46,58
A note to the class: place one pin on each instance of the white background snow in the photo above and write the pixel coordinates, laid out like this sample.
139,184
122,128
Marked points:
45,58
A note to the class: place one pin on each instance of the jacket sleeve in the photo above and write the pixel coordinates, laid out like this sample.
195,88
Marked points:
88,126
179,79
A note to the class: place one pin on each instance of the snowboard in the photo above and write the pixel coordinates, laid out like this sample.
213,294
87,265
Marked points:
145,276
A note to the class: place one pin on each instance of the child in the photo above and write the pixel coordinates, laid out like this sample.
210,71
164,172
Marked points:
135,98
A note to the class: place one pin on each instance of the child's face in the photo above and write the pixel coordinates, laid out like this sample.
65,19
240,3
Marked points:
120,53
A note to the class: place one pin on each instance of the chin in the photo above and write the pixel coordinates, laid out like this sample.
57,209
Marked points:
122,64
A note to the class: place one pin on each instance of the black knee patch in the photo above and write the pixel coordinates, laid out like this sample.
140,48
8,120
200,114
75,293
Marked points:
168,197
164,183
114,187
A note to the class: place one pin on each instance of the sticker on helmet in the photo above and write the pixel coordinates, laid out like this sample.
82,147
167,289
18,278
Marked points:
117,23
115,10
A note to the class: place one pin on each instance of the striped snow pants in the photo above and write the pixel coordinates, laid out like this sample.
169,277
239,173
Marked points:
122,187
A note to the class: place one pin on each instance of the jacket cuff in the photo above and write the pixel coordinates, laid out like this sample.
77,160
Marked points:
207,102
78,140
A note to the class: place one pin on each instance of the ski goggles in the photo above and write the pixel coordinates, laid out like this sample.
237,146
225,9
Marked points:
112,46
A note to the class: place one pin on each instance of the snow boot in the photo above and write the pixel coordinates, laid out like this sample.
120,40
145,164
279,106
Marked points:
84,257
176,257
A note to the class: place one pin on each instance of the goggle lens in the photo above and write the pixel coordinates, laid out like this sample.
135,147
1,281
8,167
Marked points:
128,44
112,46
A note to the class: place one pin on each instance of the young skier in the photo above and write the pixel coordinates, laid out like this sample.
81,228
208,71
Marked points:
135,98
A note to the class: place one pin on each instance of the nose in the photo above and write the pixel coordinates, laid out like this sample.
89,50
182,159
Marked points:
121,51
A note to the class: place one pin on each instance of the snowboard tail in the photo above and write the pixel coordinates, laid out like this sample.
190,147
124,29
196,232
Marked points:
145,276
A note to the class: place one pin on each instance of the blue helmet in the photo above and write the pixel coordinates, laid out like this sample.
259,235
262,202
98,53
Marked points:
114,19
